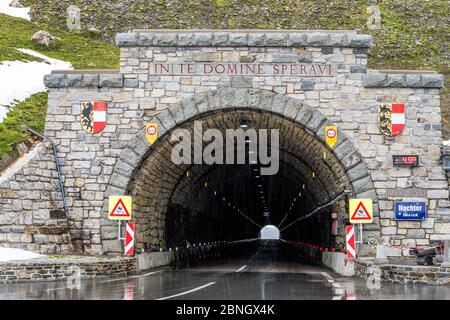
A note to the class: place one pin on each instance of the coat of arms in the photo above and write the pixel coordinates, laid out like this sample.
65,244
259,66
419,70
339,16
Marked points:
392,118
93,116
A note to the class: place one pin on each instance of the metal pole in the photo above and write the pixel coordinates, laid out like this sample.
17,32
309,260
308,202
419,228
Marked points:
119,230
360,233
61,184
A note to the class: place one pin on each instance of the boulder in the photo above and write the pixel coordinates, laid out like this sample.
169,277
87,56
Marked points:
43,38
16,4
94,30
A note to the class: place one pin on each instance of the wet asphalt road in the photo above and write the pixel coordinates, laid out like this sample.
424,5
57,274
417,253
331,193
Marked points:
258,277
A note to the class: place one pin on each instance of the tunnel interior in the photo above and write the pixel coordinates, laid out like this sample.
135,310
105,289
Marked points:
177,204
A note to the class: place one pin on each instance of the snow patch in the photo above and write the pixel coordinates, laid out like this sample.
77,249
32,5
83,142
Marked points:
23,13
446,143
19,80
12,254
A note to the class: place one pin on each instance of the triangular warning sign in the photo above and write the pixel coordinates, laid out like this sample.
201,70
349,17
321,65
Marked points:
361,213
119,208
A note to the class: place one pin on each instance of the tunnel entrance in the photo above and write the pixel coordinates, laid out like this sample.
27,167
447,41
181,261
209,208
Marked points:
197,203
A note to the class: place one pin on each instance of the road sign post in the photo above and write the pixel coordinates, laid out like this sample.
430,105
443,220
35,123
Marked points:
120,209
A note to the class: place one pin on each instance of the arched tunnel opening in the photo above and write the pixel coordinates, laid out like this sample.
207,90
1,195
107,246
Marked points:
183,204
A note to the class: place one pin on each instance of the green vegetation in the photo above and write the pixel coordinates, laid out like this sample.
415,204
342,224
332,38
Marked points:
82,50
11,54
31,113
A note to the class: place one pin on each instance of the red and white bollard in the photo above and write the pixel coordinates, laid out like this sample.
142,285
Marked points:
129,239
350,239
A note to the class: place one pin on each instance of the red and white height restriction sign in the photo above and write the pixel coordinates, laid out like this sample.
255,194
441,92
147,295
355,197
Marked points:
129,239
350,239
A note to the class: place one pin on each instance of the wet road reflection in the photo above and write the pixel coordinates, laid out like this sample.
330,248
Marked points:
257,277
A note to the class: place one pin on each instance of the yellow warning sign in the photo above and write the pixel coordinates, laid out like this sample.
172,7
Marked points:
119,208
331,135
360,211
151,132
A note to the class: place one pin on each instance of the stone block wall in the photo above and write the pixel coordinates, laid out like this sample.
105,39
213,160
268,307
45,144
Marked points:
397,273
37,270
31,211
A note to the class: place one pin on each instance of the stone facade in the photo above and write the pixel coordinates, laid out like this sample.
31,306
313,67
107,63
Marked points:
95,166
32,215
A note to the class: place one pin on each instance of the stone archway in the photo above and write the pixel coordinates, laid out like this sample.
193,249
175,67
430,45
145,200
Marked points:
346,165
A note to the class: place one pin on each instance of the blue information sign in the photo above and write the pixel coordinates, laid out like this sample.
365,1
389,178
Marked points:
410,210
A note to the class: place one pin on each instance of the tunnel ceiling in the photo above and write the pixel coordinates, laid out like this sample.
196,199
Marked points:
212,202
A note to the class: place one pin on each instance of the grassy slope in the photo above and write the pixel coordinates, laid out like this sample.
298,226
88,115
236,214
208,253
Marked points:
31,113
82,51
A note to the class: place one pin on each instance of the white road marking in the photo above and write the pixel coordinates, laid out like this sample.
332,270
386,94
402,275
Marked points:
136,276
337,288
241,268
187,292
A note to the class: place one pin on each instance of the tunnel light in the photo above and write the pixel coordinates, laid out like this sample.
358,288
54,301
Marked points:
259,185
313,174
215,193
243,123
206,184
187,173
299,194
223,199
324,155
257,177
303,186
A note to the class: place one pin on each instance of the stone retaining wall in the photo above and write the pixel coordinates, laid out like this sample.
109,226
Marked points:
31,210
404,274
62,269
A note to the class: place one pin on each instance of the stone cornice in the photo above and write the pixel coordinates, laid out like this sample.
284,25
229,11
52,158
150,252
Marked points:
403,79
243,38
91,78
